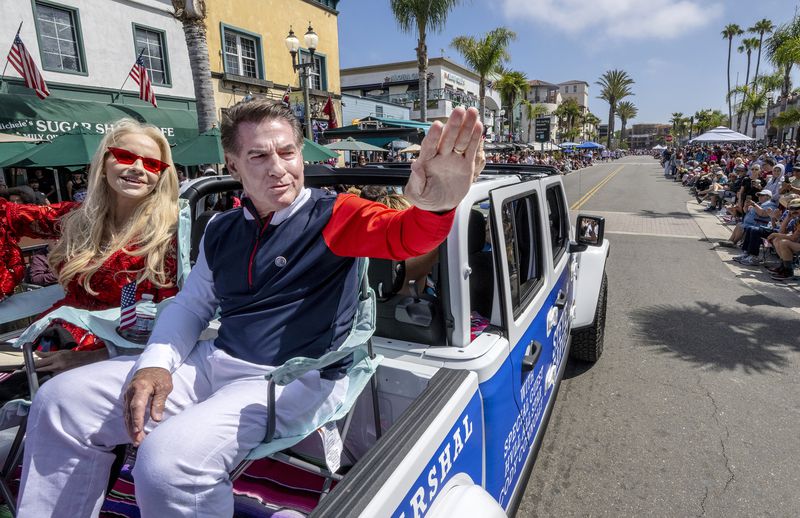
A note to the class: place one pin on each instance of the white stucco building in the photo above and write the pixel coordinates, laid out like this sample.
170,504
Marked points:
85,50
449,85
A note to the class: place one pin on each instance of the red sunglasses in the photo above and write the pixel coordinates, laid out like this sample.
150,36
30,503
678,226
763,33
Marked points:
125,157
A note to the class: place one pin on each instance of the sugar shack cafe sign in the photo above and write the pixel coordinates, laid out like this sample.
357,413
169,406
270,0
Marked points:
53,117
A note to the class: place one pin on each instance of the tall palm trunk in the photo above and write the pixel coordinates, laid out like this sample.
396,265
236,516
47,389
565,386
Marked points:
787,84
422,64
610,124
482,99
622,131
730,109
747,82
195,32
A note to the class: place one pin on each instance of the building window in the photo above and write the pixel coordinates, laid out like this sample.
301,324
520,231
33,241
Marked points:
59,38
242,53
319,72
574,89
378,110
151,43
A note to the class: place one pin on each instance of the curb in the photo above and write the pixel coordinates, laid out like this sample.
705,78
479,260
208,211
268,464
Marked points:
756,278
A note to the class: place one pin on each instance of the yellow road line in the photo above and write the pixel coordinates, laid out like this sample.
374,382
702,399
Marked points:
578,204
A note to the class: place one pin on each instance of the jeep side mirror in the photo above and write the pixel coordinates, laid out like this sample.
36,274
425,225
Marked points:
589,230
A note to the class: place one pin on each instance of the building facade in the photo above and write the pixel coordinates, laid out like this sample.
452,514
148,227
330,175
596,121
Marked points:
248,54
85,50
356,108
449,85
577,90
551,96
647,135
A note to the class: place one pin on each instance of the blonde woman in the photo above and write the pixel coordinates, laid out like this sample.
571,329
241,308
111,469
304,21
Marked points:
123,231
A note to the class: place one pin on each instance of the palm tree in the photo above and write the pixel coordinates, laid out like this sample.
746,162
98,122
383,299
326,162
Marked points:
532,112
615,85
676,118
484,55
421,16
192,15
790,117
568,113
729,32
747,47
761,27
626,110
589,119
769,84
707,119
511,85
754,101
780,52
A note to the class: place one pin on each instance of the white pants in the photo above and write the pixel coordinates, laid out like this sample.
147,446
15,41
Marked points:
216,413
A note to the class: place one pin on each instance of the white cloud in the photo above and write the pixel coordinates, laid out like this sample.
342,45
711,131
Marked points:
617,19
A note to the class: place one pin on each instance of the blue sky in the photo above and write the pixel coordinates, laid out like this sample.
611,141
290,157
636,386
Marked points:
672,49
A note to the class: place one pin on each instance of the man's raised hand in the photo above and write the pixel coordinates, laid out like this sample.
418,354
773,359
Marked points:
441,176
149,385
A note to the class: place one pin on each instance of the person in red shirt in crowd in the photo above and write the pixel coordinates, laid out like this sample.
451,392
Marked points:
123,231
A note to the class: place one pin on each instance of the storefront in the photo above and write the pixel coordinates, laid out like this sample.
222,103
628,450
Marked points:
46,119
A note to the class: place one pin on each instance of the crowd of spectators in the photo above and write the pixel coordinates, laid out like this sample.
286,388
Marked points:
564,161
754,189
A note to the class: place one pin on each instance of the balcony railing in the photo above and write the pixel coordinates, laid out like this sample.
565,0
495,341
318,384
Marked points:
411,98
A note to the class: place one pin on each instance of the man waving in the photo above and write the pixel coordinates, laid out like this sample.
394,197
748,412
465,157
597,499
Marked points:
281,271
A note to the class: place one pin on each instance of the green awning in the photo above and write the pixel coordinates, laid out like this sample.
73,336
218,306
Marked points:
205,148
75,148
177,125
313,152
9,150
33,117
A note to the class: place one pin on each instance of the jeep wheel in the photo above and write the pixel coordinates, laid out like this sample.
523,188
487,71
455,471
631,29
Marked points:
587,343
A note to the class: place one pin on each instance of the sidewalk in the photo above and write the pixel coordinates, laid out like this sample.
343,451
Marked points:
786,294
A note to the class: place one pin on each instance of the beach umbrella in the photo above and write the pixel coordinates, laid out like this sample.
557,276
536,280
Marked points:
8,137
413,148
722,134
313,152
205,148
399,144
10,150
351,144
74,148
590,145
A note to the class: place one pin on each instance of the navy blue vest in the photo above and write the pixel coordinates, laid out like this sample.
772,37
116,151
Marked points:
283,293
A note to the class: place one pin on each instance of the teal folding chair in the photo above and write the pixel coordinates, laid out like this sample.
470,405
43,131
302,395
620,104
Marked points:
360,373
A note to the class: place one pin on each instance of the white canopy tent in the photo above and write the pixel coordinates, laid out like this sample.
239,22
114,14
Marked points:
722,134
659,147
543,146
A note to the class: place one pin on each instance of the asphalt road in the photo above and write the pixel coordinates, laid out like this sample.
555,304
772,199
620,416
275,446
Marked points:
694,407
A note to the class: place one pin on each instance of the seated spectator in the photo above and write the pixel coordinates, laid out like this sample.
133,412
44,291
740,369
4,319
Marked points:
787,244
775,181
757,215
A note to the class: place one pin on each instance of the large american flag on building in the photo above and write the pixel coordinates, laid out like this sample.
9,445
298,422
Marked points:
139,74
127,305
23,63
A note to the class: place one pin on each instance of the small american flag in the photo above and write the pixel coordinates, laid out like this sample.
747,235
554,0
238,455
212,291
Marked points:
286,99
23,63
139,74
127,305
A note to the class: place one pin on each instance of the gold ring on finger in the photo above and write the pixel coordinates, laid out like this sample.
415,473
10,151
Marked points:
459,151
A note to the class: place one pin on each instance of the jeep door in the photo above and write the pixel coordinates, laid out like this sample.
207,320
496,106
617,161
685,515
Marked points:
522,266
560,274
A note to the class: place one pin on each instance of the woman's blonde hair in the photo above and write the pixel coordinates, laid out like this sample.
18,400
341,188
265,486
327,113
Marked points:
395,201
88,236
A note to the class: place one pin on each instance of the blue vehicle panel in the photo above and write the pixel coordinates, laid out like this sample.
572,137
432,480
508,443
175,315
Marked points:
512,423
461,452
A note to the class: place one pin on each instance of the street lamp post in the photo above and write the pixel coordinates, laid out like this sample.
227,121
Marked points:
293,45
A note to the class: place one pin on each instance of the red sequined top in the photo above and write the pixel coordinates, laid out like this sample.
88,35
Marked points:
43,222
